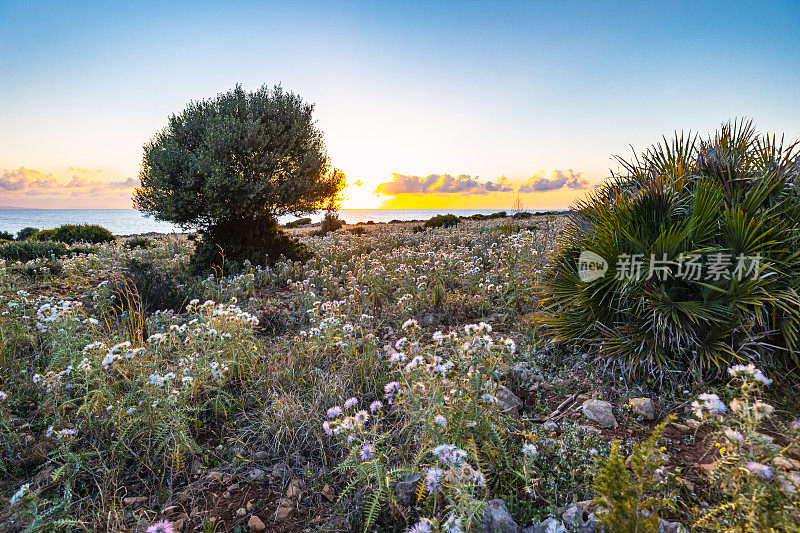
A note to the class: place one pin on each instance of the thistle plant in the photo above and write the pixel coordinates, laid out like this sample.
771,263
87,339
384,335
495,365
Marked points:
755,480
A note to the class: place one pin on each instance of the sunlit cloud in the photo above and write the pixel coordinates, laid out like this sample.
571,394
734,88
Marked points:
559,180
462,184
74,187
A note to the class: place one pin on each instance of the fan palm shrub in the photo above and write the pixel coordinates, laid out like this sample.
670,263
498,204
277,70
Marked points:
727,206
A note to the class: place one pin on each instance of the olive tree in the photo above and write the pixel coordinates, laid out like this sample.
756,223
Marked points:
230,165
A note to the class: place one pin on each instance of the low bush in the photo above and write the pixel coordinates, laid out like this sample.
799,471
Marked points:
331,222
29,250
74,233
297,223
220,250
26,233
6,236
358,230
138,242
442,221
522,215
157,289
626,497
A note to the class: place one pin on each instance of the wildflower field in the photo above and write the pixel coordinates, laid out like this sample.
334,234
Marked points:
400,379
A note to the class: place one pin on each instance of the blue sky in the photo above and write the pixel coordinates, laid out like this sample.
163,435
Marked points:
401,88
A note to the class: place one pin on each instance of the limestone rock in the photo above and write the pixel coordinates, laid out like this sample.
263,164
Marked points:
551,525
256,524
497,519
284,513
507,401
296,487
579,518
786,463
599,412
643,407
670,527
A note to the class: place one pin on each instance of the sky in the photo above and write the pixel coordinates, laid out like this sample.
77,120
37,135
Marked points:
423,104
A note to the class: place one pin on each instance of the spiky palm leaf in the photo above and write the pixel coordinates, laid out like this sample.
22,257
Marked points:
735,194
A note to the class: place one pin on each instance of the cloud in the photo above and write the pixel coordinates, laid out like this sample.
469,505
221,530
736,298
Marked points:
130,183
24,183
462,184
561,178
22,178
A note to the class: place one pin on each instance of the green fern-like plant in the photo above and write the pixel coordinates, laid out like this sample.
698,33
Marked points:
735,194
624,499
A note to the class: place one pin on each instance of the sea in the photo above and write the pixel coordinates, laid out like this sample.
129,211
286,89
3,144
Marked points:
133,222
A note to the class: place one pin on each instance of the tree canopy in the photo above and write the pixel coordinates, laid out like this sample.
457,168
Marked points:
236,157
230,165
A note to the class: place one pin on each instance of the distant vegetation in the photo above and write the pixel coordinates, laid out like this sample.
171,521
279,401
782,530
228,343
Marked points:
441,221
26,233
75,233
492,216
297,223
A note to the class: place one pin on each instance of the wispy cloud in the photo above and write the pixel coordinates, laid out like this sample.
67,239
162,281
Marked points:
462,184
559,180
23,185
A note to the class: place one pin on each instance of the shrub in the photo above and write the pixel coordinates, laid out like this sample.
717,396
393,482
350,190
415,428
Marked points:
231,165
732,196
492,216
73,233
331,222
238,246
358,230
29,250
157,289
26,233
6,236
522,215
298,222
138,242
624,498
442,221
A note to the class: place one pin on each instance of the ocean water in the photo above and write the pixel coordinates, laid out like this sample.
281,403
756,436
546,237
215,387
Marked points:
131,221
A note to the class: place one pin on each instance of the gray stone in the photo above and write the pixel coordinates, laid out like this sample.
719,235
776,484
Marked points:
281,471
549,425
643,407
507,401
525,375
670,527
551,525
599,412
578,518
406,489
497,519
